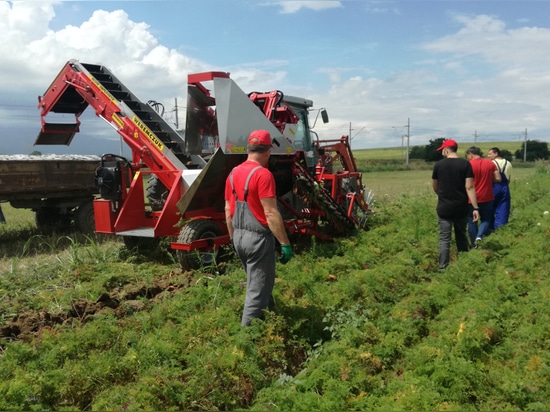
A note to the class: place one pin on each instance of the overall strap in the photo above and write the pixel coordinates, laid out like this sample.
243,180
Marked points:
231,183
248,180
498,166
245,185
504,168
501,171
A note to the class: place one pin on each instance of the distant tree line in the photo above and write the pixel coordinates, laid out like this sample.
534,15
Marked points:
536,150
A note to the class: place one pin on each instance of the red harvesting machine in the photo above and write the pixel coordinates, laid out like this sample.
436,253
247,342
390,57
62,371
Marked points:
173,184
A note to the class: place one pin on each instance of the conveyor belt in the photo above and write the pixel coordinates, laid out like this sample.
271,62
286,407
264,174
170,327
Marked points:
70,101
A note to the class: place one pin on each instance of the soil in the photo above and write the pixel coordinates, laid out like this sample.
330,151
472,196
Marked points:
124,301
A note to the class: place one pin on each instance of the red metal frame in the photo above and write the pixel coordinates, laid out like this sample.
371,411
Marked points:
269,104
337,153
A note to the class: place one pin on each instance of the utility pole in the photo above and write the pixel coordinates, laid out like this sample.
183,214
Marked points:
350,137
176,109
408,138
408,126
525,148
475,137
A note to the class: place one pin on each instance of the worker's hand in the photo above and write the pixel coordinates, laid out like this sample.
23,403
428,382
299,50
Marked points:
475,216
286,253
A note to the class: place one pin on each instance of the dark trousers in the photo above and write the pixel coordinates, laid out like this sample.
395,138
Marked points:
446,226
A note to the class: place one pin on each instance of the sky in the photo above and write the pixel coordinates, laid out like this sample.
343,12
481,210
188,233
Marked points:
389,73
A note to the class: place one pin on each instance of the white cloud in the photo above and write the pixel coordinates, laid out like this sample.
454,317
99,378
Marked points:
382,7
37,53
489,39
289,7
23,21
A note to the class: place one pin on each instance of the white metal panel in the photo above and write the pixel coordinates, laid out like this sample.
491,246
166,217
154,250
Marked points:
238,116
188,176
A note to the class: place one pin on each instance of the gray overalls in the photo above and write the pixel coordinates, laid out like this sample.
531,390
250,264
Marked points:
255,246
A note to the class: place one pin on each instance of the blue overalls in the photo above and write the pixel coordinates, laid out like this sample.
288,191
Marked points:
255,246
501,204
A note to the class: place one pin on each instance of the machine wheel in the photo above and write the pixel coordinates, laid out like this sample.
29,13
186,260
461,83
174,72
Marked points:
50,219
84,219
195,230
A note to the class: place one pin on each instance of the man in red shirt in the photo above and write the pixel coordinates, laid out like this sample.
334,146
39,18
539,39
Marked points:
254,222
485,173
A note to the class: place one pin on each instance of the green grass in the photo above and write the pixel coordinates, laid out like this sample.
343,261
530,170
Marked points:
414,182
17,217
398,153
363,323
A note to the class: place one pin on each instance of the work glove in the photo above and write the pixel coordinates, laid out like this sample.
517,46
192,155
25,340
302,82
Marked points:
286,253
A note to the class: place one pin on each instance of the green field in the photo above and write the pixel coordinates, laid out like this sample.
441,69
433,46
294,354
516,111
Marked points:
397,153
367,322
389,185
387,176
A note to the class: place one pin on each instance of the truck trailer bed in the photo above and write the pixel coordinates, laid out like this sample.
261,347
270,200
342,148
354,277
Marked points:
46,176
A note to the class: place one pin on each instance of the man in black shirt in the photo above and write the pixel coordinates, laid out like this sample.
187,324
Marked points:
453,182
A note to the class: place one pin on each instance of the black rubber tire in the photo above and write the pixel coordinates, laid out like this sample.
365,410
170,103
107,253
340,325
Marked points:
84,219
197,259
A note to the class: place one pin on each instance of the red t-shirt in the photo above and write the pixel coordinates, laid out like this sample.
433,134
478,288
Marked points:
483,178
261,186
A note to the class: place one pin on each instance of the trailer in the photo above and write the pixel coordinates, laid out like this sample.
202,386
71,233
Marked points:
60,189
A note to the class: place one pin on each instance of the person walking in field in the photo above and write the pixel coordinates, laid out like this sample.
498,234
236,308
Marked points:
501,190
485,173
254,222
453,182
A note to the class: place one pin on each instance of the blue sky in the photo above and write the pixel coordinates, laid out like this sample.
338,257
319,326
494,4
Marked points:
468,70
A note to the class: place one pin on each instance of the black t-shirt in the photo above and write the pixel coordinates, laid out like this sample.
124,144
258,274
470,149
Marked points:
451,174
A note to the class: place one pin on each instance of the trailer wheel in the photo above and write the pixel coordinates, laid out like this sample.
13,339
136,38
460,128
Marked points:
84,219
50,219
195,230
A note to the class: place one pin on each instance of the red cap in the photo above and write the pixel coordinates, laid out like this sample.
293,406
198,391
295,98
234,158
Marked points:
448,143
260,137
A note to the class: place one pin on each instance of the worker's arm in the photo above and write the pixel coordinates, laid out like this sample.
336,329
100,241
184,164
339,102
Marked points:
496,176
228,221
275,220
471,191
435,185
